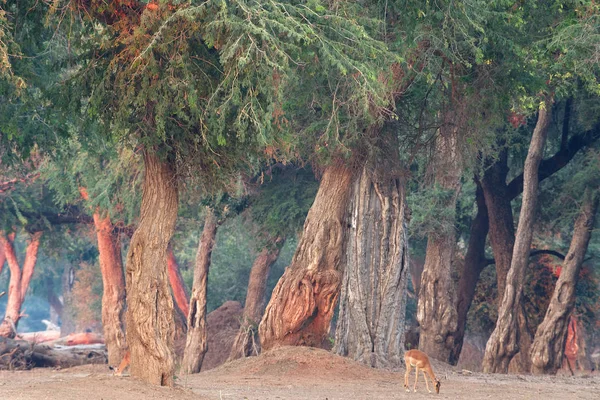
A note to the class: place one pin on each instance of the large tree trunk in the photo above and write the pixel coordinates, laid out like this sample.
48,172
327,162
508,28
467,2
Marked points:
19,280
304,299
196,344
113,283
370,326
474,264
180,293
246,342
549,343
504,341
2,258
436,310
150,324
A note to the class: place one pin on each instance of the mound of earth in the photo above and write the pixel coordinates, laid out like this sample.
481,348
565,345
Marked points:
223,325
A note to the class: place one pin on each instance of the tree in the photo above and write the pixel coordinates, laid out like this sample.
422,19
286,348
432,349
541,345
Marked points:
196,344
504,342
19,280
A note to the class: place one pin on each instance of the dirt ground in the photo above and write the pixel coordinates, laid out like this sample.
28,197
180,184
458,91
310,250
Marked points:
291,373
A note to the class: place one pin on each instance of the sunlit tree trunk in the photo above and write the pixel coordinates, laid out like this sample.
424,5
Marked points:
504,341
180,293
548,346
150,325
196,344
474,264
370,326
113,285
436,309
246,342
302,304
19,280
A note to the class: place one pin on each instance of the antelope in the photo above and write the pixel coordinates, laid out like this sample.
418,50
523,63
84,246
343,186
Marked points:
419,360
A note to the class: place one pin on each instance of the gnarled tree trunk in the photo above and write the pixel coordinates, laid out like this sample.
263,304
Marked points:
246,342
19,280
549,343
196,344
150,324
474,264
436,310
113,286
504,341
370,326
303,301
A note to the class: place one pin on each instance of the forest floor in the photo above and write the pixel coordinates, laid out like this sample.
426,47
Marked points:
291,373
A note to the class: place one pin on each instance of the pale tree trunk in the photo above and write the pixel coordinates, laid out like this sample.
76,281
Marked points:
150,325
436,309
196,344
474,264
180,293
19,280
502,238
302,304
504,341
370,326
549,343
113,286
68,315
246,342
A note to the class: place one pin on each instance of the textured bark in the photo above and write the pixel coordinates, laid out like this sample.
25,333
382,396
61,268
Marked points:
150,325
2,258
19,280
113,284
549,343
303,302
180,293
196,344
474,264
370,326
246,342
504,341
436,309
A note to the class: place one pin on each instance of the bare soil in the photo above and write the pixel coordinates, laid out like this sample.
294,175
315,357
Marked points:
292,373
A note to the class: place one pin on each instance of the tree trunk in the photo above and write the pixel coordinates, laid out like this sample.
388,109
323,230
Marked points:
19,280
549,343
475,262
180,293
150,324
68,315
2,257
370,326
246,342
436,310
304,299
113,283
504,341
196,344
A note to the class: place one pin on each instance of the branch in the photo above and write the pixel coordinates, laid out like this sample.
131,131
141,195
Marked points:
558,161
11,183
532,253
71,215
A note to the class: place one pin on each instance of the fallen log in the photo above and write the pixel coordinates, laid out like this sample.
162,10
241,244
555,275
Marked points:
19,354
75,339
40,337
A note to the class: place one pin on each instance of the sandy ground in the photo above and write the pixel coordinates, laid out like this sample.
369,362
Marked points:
291,373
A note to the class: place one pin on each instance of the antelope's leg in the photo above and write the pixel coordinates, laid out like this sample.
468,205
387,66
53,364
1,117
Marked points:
416,378
426,383
406,377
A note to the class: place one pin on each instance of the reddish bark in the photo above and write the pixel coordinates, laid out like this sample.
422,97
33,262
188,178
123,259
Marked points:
113,283
2,258
19,280
180,293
